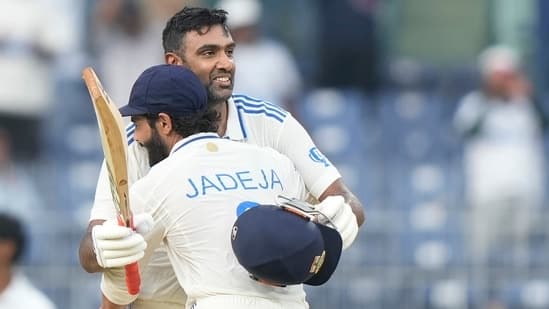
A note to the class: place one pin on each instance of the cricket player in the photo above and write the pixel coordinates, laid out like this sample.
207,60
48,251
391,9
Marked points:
198,38
194,193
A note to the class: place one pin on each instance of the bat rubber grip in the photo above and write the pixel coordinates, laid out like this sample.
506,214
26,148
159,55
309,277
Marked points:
133,281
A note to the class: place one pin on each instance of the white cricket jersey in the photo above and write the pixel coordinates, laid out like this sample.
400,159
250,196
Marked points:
251,121
193,197
20,293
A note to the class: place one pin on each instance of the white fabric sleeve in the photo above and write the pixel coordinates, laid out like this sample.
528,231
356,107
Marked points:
295,184
142,196
113,286
316,170
469,112
138,166
113,282
103,207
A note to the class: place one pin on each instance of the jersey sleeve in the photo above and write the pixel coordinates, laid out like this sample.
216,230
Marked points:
296,186
145,196
140,196
469,114
316,170
138,166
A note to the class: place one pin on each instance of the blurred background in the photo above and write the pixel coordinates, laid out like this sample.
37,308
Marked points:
443,140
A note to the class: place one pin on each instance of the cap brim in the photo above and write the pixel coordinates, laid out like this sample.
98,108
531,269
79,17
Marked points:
128,110
333,246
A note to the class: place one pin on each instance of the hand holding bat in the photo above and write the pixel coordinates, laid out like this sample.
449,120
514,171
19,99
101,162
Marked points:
117,246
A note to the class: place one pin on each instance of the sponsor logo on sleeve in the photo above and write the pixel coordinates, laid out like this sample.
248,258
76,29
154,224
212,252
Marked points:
317,156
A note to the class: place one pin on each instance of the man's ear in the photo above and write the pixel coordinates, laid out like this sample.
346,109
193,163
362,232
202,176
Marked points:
172,58
164,123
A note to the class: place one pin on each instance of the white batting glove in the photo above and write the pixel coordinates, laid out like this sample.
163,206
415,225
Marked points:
117,246
341,215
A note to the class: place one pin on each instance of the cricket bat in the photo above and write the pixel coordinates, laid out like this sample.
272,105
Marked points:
114,144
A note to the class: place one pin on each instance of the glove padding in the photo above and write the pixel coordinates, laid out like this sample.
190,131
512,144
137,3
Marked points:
117,246
341,216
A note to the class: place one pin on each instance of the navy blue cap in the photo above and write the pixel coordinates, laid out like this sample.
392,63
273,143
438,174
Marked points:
280,247
169,89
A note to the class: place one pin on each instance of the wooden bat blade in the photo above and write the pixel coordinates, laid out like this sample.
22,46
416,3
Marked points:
114,145
113,141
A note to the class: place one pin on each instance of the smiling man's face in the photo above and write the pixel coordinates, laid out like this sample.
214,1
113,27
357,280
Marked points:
210,56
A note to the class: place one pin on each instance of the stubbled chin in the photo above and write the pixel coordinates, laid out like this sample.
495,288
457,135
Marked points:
216,93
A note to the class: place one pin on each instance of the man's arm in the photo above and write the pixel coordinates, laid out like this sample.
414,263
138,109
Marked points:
88,261
113,284
339,188
103,206
470,114
321,177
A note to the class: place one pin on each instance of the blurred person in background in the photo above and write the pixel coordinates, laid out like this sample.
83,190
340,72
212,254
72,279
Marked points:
347,49
129,25
31,36
266,67
503,158
16,291
18,192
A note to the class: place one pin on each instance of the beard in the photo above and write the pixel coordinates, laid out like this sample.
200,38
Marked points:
219,94
156,149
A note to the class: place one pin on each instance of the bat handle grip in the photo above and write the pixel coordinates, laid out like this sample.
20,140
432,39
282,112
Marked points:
133,279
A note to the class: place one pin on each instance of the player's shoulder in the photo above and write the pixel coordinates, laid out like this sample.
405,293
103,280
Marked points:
266,153
251,149
248,106
473,97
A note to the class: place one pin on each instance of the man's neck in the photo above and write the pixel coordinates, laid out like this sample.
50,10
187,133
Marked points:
5,277
223,110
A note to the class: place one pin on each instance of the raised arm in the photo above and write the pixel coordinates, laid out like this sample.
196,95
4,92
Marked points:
103,209
86,253
113,283
103,206
320,175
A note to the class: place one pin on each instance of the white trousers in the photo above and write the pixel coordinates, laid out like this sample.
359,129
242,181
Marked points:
243,302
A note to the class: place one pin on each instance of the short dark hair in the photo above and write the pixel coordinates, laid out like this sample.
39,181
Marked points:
12,229
191,124
190,19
